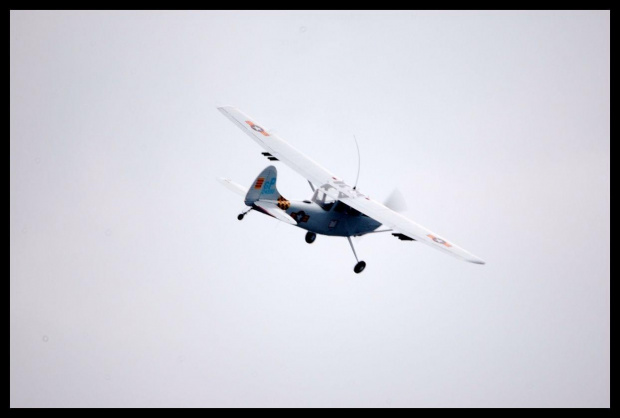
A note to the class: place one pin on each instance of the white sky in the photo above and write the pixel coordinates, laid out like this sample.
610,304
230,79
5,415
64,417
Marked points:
133,283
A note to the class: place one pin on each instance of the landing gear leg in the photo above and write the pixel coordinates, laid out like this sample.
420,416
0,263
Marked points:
361,265
310,237
241,215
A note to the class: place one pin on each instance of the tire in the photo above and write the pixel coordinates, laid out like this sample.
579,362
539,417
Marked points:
310,237
359,267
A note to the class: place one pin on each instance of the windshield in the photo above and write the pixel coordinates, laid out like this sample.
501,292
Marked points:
321,199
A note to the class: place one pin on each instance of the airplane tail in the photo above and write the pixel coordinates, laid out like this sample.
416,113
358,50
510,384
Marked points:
264,189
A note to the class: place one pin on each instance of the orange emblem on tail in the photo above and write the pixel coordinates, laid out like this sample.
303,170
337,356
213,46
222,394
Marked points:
283,203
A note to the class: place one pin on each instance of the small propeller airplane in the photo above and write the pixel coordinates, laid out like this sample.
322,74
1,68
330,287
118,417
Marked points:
335,209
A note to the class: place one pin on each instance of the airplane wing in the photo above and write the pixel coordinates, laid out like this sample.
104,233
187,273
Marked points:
399,223
278,147
338,189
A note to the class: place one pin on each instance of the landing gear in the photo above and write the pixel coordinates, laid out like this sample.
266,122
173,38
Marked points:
310,237
361,265
241,215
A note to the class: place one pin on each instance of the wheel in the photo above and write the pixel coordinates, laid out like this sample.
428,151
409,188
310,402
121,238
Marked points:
240,216
359,267
310,237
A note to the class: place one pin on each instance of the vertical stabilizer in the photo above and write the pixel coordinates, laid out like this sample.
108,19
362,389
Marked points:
264,188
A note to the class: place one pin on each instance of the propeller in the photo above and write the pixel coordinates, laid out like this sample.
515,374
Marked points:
396,201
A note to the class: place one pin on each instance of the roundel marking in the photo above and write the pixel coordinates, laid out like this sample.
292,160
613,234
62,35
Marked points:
439,240
256,127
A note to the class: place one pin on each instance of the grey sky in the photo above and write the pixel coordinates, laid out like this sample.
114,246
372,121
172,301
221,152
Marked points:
133,283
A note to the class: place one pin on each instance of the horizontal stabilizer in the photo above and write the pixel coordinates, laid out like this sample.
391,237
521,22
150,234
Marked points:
271,208
231,185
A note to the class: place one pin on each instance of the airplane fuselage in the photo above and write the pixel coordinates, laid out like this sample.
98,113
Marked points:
335,218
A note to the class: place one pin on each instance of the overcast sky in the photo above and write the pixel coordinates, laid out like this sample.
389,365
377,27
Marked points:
133,283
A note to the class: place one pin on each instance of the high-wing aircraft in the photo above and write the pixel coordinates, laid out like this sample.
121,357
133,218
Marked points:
335,208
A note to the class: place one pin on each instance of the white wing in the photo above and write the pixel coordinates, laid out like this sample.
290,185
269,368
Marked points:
399,223
338,189
278,147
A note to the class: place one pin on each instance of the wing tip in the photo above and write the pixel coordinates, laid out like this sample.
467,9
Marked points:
225,108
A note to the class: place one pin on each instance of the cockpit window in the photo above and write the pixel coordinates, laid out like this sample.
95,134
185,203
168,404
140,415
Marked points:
323,200
346,209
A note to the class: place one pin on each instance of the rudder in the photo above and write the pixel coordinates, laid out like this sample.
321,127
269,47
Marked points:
264,187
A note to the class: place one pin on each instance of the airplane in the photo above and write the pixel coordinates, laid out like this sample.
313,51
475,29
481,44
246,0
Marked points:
335,209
